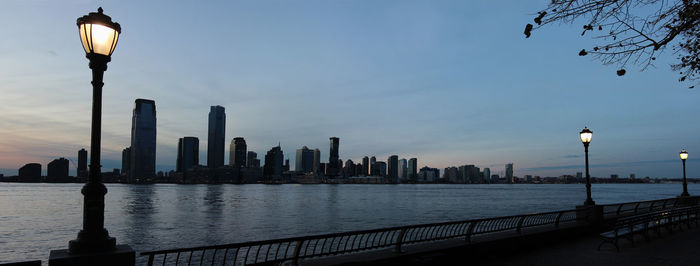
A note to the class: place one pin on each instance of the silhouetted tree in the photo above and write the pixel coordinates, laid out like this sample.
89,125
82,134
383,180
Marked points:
633,31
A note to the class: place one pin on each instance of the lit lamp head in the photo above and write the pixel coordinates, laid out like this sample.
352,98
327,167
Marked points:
684,155
98,34
586,135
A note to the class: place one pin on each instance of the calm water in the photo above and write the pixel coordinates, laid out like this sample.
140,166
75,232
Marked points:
35,218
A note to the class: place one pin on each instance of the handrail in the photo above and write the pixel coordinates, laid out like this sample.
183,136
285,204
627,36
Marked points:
277,250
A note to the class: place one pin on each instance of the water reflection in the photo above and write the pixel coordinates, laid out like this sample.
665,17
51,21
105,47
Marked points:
139,209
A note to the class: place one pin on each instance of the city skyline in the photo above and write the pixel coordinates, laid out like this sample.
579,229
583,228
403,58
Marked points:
420,78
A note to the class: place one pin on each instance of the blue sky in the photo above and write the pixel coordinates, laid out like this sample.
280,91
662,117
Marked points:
448,82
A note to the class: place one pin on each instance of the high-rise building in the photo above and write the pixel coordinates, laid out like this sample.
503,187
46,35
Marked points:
317,161
187,154
403,166
381,168
509,173
487,175
304,162
274,160
82,163
412,169
365,166
216,137
373,171
30,171
349,169
57,168
126,161
333,166
249,159
237,153
143,141
393,168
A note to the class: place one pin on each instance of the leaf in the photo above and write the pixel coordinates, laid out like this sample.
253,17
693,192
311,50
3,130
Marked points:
582,52
621,72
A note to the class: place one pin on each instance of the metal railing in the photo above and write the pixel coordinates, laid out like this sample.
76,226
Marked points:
633,208
296,248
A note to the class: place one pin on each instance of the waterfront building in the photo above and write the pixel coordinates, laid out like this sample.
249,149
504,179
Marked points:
126,161
381,168
322,168
373,167
187,154
393,168
216,137
317,161
349,169
285,168
143,141
30,172
487,175
365,166
509,173
403,167
82,170
427,174
334,162
304,162
412,169
237,152
57,168
249,159
452,175
273,163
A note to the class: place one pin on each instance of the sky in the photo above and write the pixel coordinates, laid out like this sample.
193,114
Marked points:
447,82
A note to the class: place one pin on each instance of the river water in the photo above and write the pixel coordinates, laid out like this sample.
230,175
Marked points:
36,218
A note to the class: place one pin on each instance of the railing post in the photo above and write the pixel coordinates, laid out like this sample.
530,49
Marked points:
520,223
635,207
399,240
619,209
150,259
470,229
297,250
651,207
556,222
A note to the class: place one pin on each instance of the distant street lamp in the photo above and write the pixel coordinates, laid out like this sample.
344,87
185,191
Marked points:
586,136
98,35
684,155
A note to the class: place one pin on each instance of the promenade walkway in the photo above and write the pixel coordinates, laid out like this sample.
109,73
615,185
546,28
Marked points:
679,248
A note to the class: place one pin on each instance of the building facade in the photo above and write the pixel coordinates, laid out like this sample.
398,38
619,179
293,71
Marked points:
187,154
304,162
82,170
216,137
57,168
333,166
392,165
238,152
143,141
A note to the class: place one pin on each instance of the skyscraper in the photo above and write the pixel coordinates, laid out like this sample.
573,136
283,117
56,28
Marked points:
237,153
333,166
126,161
403,166
304,162
82,163
487,175
372,166
393,168
412,169
509,173
365,166
317,161
274,160
30,171
216,137
143,141
187,153
57,168
250,158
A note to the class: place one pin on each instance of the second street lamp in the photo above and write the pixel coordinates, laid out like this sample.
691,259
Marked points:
684,155
99,36
586,136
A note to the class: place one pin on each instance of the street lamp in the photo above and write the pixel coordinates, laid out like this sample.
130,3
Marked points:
684,155
586,136
99,36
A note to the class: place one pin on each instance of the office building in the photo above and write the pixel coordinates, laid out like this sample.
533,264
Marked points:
238,152
57,168
487,176
393,168
143,141
274,160
509,173
126,161
304,162
30,171
334,162
82,163
373,171
403,167
412,169
365,166
187,154
249,159
216,137
317,161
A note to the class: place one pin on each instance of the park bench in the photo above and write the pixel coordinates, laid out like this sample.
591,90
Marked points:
627,227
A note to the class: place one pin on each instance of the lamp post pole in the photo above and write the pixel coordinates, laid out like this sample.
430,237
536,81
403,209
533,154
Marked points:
586,136
99,37
684,156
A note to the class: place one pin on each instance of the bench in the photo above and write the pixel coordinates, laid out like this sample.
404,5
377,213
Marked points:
627,227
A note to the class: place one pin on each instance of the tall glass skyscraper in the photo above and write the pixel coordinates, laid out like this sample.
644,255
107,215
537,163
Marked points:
304,162
187,153
393,168
216,140
237,152
143,141
82,163
333,163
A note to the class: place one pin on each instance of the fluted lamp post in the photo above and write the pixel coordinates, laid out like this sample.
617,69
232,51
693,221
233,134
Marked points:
684,155
586,136
99,36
